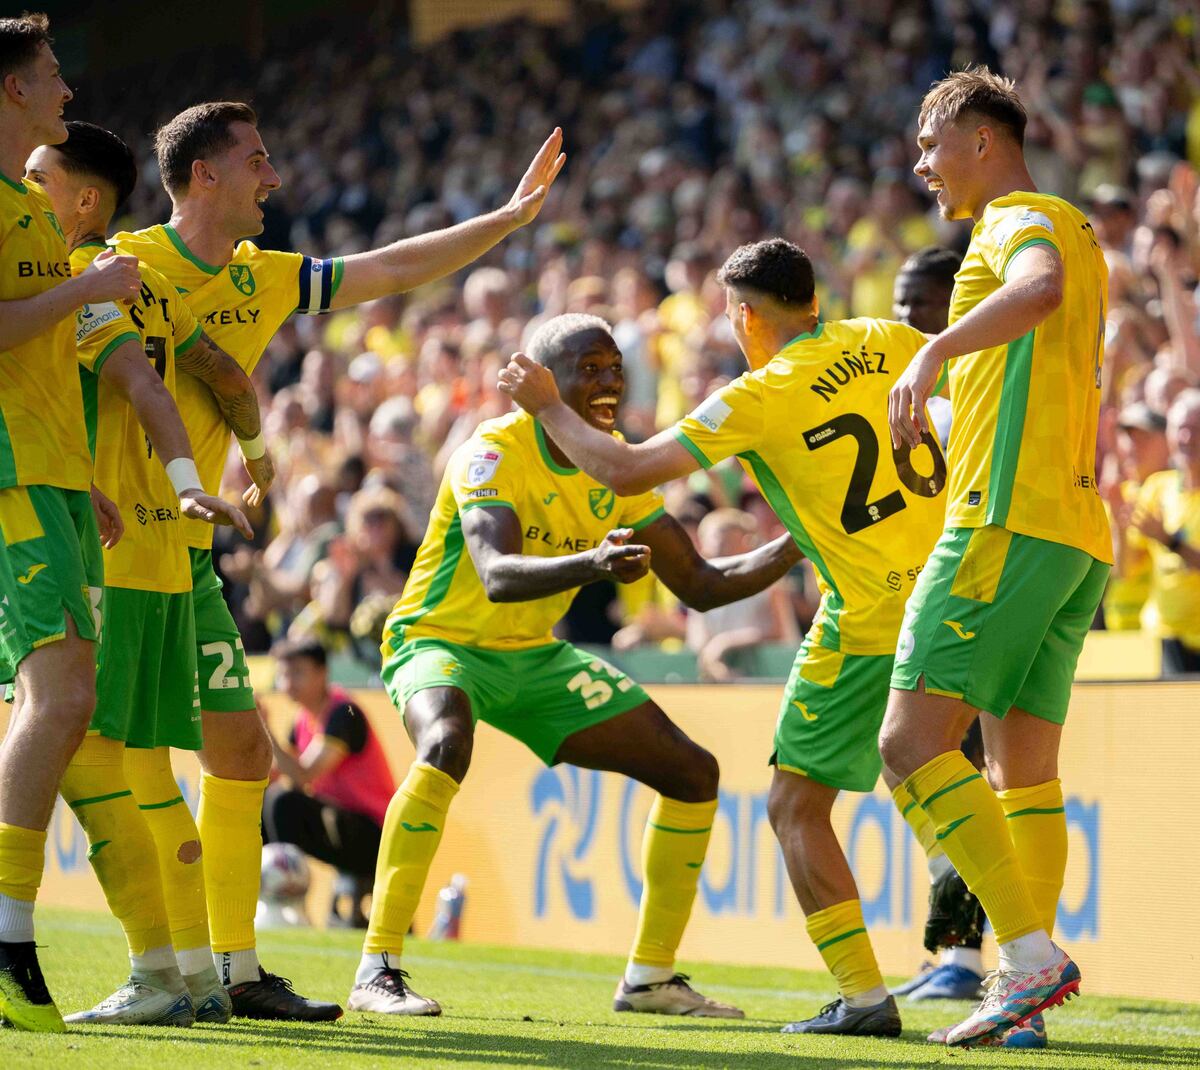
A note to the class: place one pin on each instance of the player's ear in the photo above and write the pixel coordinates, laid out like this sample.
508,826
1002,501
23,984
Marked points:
13,88
983,140
201,174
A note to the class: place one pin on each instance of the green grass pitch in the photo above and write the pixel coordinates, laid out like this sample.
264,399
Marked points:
547,1009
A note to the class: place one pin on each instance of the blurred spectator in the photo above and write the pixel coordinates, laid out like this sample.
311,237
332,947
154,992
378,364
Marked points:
363,575
1166,541
766,617
333,783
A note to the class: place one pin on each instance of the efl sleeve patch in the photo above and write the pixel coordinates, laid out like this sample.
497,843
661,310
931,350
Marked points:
482,467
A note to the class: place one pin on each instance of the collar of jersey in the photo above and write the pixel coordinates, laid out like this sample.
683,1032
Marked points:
551,463
18,186
809,335
182,249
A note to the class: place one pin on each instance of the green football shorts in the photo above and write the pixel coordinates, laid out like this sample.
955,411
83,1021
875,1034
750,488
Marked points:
539,696
220,659
146,692
828,727
50,565
998,620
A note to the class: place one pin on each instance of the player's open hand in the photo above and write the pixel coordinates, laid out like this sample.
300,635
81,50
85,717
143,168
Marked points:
529,384
111,277
262,472
108,519
216,511
531,191
906,402
615,558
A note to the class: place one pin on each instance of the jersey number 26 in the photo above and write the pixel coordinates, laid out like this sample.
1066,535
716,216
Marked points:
857,512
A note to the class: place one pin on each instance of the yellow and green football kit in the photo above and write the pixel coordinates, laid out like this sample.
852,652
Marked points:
146,693
49,547
811,429
445,632
239,305
999,616
1174,605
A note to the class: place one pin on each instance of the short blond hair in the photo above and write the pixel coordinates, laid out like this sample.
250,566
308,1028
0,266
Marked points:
975,91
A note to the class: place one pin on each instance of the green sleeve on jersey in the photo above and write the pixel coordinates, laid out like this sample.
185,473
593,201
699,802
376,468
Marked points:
648,519
108,350
1021,248
187,343
692,448
485,503
338,268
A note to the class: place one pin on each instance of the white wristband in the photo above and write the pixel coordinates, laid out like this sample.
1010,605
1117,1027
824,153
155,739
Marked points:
253,448
183,475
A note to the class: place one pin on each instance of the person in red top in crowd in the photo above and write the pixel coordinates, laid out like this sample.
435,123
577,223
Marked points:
334,783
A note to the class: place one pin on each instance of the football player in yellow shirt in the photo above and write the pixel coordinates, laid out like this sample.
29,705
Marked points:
921,298
216,169
50,565
120,783
515,532
1166,523
809,423
999,616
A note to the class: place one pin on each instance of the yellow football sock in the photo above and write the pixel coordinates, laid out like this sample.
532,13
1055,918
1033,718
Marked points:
176,842
841,937
231,832
22,856
972,831
121,849
673,849
1037,824
918,821
412,831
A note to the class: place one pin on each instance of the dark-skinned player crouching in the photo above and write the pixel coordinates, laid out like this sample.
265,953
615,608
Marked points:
514,533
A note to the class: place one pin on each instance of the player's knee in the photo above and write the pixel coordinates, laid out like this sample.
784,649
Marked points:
259,755
896,750
446,746
71,712
794,802
701,776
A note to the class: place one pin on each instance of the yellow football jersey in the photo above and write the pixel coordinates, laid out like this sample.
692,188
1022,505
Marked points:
1174,606
1022,450
1127,594
811,428
151,555
562,511
42,434
239,305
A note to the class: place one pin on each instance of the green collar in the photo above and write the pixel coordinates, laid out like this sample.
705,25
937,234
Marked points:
809,335
18,186
551,463
185,252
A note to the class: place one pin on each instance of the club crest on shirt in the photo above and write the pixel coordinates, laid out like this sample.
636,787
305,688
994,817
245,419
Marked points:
243,278
601,501
482,467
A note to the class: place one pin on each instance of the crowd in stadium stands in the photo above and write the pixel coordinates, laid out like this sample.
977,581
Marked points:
691,128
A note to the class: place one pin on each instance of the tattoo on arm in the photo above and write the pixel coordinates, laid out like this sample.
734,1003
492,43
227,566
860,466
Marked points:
230,385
